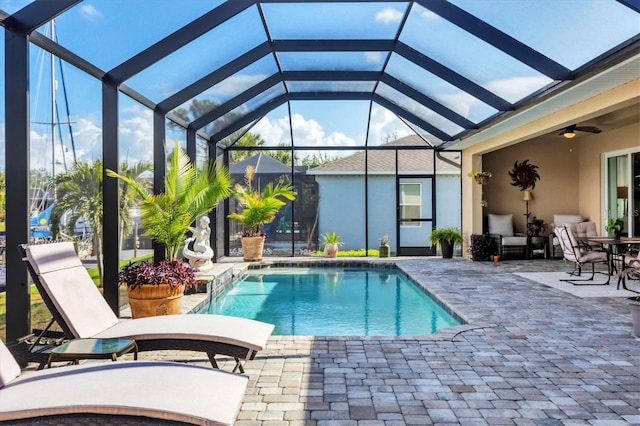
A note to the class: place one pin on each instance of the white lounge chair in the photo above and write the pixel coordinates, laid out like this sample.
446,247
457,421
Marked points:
126,392
81,311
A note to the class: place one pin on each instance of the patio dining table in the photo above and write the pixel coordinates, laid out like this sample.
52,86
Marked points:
614,247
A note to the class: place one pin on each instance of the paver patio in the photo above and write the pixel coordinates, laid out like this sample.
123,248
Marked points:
531,355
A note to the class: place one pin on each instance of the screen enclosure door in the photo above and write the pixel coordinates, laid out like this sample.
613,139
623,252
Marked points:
414,215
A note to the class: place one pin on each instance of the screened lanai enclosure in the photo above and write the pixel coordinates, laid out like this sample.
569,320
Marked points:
363,106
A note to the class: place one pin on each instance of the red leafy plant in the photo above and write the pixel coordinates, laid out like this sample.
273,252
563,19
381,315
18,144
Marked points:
172,272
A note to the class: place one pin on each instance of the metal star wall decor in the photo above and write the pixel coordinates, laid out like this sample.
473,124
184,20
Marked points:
524,175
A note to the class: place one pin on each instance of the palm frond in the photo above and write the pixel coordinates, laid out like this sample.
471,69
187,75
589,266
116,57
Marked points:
189,193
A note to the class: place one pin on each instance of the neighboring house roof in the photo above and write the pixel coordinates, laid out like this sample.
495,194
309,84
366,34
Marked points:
263,165
383,162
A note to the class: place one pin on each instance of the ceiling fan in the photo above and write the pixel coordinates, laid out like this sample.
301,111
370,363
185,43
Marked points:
570,131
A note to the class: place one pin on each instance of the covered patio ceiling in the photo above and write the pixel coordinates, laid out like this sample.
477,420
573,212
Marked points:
449,69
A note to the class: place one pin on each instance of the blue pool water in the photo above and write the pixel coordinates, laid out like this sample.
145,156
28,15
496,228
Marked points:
334,302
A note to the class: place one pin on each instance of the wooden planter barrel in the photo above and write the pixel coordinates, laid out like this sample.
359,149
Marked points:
155,299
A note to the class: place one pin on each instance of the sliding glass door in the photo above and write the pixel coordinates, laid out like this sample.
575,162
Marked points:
622,190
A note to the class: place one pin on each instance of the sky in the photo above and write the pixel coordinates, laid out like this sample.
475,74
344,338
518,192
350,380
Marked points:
107,32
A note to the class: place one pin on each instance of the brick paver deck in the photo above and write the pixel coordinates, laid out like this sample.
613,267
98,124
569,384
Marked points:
531,355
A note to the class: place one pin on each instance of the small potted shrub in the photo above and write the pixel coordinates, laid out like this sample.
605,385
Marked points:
446,238
331,242
482,247
480,176
614,227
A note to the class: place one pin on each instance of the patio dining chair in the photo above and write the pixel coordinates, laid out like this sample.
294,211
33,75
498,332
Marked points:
629,262
580,253
123,392
559,220
81,311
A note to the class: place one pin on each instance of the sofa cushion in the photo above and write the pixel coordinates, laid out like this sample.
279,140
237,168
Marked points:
561,219
514,241
501,224
583,229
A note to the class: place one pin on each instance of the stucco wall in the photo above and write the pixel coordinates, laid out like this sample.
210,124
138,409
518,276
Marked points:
342,211
448,201
382,210
570,172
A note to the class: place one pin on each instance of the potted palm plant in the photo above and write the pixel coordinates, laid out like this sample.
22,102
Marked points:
258,208
189,193
332,242
446,238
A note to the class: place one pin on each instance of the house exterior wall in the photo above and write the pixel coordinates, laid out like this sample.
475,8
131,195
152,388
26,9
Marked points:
382,210
342,211
448,201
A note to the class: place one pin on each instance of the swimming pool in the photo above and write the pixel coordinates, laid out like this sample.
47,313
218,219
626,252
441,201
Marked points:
327,301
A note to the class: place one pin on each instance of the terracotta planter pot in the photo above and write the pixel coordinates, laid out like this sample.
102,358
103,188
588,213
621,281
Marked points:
496,259
252,248
157,299
330,250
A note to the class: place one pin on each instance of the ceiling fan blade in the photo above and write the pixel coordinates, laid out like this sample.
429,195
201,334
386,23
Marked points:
589,129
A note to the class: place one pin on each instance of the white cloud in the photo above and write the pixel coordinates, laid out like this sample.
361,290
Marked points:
274,132
305,132
389,15
234,85
373,57
136,136
90,12
135,133
428,15
385,126
514,89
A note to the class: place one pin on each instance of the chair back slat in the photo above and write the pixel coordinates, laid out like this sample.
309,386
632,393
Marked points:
565,242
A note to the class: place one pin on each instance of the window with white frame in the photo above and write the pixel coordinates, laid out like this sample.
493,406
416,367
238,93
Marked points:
410,203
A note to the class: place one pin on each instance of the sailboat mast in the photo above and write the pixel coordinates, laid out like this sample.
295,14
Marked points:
54,87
